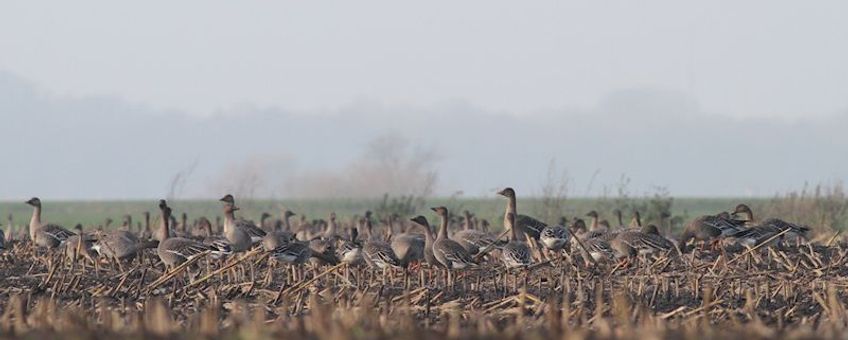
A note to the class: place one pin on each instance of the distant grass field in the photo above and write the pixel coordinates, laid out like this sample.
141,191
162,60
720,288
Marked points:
94,213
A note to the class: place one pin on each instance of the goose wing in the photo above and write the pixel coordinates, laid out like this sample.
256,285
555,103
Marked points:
532,226
456,256
516,254
256,234
57,232
380,254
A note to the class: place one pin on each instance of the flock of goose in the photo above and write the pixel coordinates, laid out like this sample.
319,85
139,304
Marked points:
529,241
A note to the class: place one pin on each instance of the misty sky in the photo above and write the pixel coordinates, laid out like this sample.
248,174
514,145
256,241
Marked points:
752,67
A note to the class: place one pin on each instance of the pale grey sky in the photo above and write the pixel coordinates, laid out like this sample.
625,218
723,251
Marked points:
740,58
706,98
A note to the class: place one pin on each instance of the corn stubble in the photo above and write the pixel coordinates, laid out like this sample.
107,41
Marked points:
793,292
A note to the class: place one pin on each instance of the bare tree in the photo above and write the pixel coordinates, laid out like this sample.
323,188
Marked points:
179,180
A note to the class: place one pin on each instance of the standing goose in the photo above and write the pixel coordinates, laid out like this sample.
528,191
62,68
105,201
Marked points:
529,225
173,251
448,252
408,247
636,221
255,233
164,230
238,238
619,219
279,236
45,235
516,253
422,223
376,252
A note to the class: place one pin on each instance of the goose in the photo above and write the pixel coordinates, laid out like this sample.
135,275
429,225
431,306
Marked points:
164,230
278,236
554,238
238,238
376,252
294,252
324,248
351,250
146,233
121,245
45,235
448,252
529,225
127,224
408,247
422,223
253,232
174,251
599,249
516,253
636,221
79,246
578,228
619,219
263,220
710,228
643,242
473,240
597,228
763,231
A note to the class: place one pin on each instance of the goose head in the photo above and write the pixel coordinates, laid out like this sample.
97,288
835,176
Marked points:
507,192
35,202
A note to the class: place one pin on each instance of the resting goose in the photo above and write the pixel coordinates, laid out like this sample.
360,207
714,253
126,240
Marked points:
121,245
763,231
554,238
643,242
45,235
710,228
278,236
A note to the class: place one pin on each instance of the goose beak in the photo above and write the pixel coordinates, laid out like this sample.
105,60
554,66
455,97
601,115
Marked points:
236,208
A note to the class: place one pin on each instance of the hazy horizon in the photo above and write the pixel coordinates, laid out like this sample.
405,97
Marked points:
292,99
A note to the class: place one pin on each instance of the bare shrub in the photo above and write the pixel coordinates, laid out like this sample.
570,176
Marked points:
389,165
554,194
